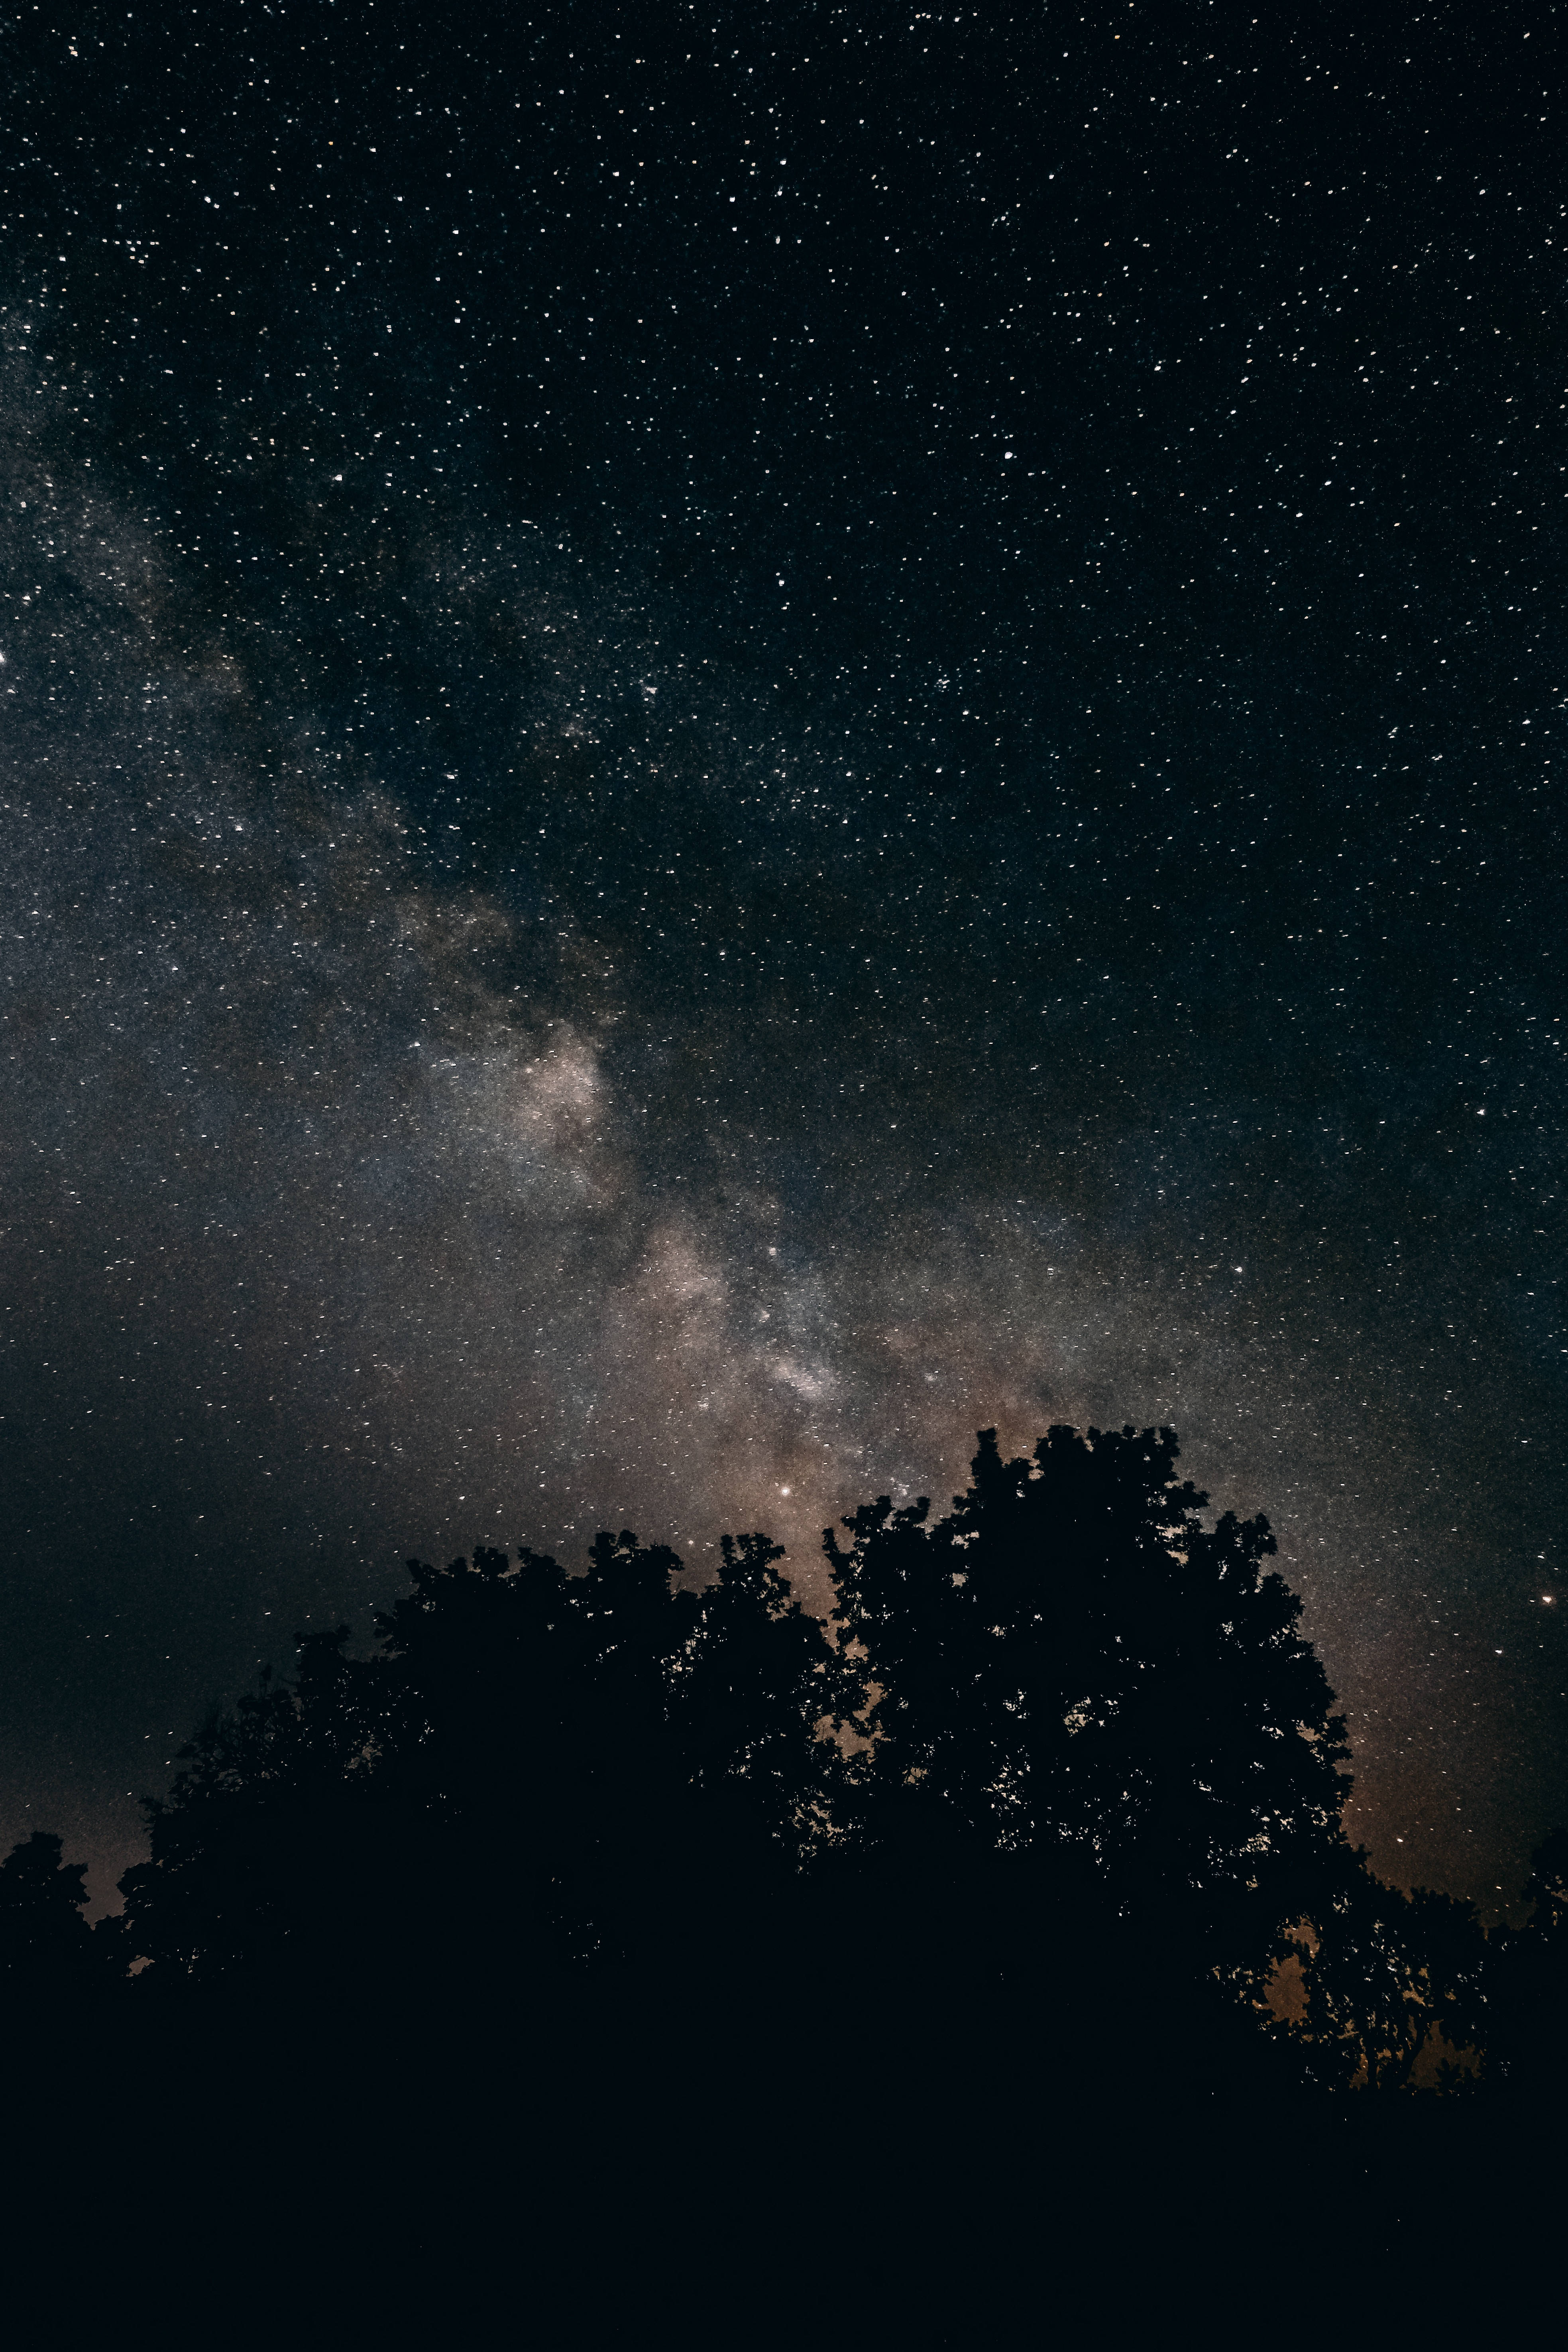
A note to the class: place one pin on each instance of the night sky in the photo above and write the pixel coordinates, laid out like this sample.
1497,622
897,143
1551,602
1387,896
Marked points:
737,738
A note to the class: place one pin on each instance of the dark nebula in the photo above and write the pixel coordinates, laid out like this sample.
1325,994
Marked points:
737,738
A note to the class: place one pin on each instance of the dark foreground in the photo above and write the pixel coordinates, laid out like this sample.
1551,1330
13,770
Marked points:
802,2151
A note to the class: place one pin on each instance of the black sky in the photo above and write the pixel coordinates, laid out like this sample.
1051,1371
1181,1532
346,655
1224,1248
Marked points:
738,737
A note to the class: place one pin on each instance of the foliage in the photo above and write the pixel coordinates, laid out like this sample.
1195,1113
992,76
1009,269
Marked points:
1063,1750
1070,1664
551,1767
1386,1976
46,1949
1527,1989
262,1843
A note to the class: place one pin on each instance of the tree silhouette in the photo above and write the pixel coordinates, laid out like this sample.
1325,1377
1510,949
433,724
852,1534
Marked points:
1527,1984
1061,1761
47,1952
588,1902
1071,1671
552,1770
263,1849
1383,1973
752,1690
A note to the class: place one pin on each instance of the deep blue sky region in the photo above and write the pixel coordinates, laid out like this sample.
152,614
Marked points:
737,738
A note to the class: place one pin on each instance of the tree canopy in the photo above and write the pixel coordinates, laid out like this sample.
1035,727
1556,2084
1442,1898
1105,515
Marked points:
1067,1740
45,1945
1070,1666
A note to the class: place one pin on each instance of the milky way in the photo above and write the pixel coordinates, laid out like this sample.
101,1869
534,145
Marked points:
899,779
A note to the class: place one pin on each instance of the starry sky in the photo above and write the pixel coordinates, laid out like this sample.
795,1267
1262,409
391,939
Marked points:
737,738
